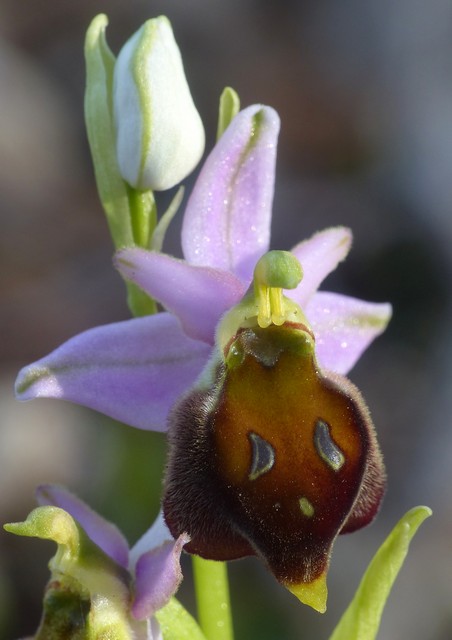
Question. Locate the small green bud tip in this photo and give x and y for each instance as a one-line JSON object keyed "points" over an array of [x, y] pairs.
{"points": [[229, 108], [275, 271]]}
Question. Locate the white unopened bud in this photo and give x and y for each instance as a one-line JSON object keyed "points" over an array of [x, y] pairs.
{"points": [[160, 136]]}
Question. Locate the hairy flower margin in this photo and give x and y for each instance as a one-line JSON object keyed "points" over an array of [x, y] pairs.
{"points": [[135, 371]]}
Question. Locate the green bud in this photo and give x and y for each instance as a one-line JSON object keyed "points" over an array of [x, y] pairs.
{"points": [[160, 136]]}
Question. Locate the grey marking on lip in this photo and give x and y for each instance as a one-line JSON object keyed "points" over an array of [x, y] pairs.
{"points": [[263, 456], [326, 447]]}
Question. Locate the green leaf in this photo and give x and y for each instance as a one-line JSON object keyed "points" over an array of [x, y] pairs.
{"points": [[229, 108], [177, 624], [362, 618], [112, 189]]}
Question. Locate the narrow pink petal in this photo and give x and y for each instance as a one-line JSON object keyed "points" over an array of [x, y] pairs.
{"points": [[344, 327], [105, 534], [155, 536], [319, 256], [227, 219], [157, 577], [198, 296], [132, 371]]}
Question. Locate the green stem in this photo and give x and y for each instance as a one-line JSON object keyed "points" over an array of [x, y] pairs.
{"points": [[143, 214], [143, 218], [139, 303], [212, 597]]}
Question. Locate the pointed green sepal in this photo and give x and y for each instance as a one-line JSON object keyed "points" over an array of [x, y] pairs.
{"points": [[112, 189], [229, 108], [362, 618]]}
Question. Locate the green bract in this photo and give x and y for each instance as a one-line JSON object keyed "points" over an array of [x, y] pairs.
{"points": [[177, 624], [112, 189], [229, 108], [362, 618]]}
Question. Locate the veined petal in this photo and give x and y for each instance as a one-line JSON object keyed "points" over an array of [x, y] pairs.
{"points": [[132, 371], [227, 219], [157, 577], [105, 534], [198, 296], [344, 327], [319, 256]]}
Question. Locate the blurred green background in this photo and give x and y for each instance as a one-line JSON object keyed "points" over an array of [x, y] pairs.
{"points": [[364, 92]]}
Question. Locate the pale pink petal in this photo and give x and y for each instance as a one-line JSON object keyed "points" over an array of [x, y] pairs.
{"points": [[227, 219], [103, 533], [155, 536], [132, 371], [157, 577], [198, 296], [318, 256], [344, 327]]}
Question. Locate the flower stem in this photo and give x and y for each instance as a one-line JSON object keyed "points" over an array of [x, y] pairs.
{"points": [[143, 215], [212, 596], [143, 219]]}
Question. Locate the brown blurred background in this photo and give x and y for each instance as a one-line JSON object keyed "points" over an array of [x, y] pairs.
{"points": [[364, 91]]}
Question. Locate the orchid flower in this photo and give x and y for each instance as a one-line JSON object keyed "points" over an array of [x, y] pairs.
{"points": [[137, 371], [111, 590]]}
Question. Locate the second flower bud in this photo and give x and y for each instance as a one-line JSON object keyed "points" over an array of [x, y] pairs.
{"points": [[160, 136]]}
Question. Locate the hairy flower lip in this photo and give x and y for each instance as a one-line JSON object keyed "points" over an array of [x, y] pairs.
{"points": [[272, 455]]}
